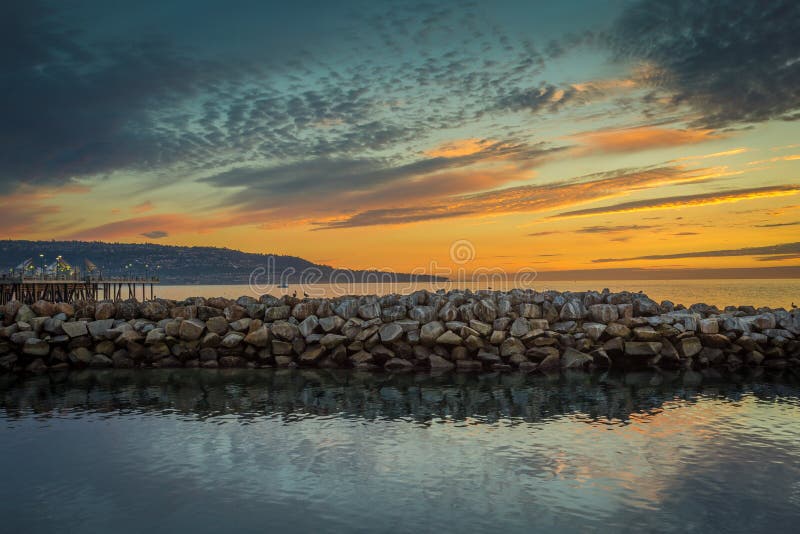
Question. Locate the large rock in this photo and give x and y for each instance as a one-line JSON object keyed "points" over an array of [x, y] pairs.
{"points": [[232, 340], [44, 308], [390, 332], [642, 348], [75, 328], [574, 359], [430, 332], [449, 338], [36, 347], [308, 325], [603, 313], [485, 310], [24, 314], [260, 337], [520, 327], [330, 341], [284, 330], [191, 329], [277, 313], [689, 346], [426, 314], [104, 309], [369, 311], [218, 325], [573, 310]]}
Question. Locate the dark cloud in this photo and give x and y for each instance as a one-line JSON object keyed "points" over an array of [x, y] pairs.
{"points": [[393, 216], [264, 187], [613, 229], [546, 97], [731, 61], [776, 225], [155, 234], [678, 201], [772, 250], [72, 110]]}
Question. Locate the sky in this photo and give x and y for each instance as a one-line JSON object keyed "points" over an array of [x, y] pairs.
{"points": [[553, 136]]}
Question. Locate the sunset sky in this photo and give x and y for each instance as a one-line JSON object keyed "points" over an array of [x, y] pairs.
{"points": [[551, 135]]}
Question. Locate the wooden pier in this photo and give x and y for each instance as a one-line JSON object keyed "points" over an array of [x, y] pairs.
{"points": [[72, 289]]}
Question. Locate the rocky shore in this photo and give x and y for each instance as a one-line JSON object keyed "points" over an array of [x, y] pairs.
{"points": [[519, 330]]}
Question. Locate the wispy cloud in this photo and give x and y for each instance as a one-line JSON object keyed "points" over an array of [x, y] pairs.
{"points": [[771, 250], [685, 201], [641, 138]]}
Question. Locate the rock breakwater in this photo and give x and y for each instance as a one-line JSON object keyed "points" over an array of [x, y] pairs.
{"points": [[518, 330]]}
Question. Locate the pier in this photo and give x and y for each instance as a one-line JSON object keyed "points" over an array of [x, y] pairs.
{"points": [[72, 288]]}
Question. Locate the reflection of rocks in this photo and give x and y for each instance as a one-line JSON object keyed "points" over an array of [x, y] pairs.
{"points": [[549, 332], [488, 397]]}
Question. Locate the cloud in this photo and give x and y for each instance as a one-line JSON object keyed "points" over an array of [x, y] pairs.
{"points": [[685, 201], [331, 186], [143, 207], [776, 225], [155, 234], [771, 250], [730, 62], [71, 109], [790, 157], [613, 229], [641, 138], [528, 198]]}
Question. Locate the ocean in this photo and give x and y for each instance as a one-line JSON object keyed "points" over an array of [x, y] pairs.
{"points": [[323, 451]]}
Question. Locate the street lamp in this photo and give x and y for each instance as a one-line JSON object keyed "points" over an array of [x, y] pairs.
{"points": [[42, 256]]}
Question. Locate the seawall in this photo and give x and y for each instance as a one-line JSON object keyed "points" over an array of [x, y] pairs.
{"points": [[519, 330]]}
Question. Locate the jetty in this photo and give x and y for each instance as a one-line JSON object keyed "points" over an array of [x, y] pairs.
{"points": [[74, 288]]}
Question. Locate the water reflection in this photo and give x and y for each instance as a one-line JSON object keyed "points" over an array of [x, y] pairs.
{"points": [[611, 398], [332, 451]]}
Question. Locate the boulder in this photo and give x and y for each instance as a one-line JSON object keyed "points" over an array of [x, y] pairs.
{"points": [[449, 338], [520, 327], [191, 329], [308, 325], [485, 310], [437, 362], [104, 309], [430, 332], [574, 359], [573, 310], [603, 313], [218, 325], [75, 328], [36, 347], [277, 313], [330, 341], [643, 348], [284, 330], [426, 314], [390, 332], [260, 337]]}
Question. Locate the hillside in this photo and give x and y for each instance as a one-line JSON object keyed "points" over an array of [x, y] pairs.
{"points": [[173, 264]]}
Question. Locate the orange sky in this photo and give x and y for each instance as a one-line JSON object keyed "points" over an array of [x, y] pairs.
{"points": [[586, 156]]}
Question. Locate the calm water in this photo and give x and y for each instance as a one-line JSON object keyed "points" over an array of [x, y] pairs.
{"points": [[776, 293], [314, 451]]}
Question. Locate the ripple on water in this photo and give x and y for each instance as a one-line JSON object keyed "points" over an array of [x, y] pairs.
{"points": [[321, 452]]}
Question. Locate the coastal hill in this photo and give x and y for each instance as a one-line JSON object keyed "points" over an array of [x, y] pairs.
{"points": [[172, 264]]}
